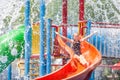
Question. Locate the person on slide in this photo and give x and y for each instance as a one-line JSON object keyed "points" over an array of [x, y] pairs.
{"points": [[77, 39]]}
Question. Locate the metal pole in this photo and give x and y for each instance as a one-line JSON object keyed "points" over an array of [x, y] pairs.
{"points": [[64, 17], [64, 20], [48, 65], [10, 72], [42, 59], [92, 76], [81, 9], [88, 27], [27, 37]]}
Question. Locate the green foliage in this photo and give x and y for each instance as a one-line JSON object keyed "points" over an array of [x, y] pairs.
{"points": [[101, 10], [73, 11], [35, 10], [53, 8], [115, 9], [108, 71], [103, 1], [6, 20], [54, 11], [19, 20]]}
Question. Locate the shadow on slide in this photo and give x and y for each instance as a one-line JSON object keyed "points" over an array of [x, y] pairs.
{"points": [[74, 70]]}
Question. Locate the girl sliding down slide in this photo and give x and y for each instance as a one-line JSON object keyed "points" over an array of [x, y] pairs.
{"points": [[77, 39]]}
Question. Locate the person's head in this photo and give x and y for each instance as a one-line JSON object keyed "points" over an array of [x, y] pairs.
{"points": [[75, 36]]}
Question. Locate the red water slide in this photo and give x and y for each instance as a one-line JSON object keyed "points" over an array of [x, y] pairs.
{"points": [[74, 70]]}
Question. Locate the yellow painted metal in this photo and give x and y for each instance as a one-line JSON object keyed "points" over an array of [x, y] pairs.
{"points": [[35, 39], [33, 67], [81, 25], [35, 51]]}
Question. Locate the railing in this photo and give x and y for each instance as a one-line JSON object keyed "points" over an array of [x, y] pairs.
{"points": [[107, 40]]}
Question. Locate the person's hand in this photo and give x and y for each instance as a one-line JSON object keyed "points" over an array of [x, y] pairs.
{"points": [[85, 38]]}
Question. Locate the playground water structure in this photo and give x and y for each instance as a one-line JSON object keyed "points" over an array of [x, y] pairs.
{"points": [[74, 70], [13, 51], [100, 41], [16, 48], [105, 11], [22, 33]]}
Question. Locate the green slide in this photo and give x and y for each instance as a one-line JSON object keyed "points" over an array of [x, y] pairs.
{"points": [[11, 46]]}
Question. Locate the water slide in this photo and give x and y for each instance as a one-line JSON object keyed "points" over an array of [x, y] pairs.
{"points": [[11, 46], [74, 70]]}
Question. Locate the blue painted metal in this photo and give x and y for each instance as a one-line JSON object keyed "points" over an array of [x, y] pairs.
{"points": [[42, 21], [88, 28], [27, 37], [48, 65], [92, 76], [10, 72], [89, 40]]}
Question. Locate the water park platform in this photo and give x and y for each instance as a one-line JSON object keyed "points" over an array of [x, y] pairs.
{"points": [[33, 51]]}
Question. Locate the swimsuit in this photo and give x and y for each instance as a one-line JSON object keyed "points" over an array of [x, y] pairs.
{"points": [[76, 47]]}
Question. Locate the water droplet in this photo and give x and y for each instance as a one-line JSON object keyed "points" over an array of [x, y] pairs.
{"points": [[14, 52]]}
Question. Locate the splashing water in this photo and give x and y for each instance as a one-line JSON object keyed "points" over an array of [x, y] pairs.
{"points": [[103, 10], [3, 59], [96, 10], [9, 13]]}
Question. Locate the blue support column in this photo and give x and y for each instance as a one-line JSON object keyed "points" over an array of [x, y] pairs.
{"points": [[48, 65], [89, 40], [10, 72], [42, 71], [27, 37], [88, 28], [92, 76]]}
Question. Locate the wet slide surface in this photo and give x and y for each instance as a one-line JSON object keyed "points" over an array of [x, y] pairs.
{"points": [[74, 70]]}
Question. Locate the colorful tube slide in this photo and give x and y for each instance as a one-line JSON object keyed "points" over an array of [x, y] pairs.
{"points": [[74, 70], [11, 46]]}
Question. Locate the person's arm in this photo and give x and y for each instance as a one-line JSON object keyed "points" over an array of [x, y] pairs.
{"points": [[69, 40], [85, 38]]}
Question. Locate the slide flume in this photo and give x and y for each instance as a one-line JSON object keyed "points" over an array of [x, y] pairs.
{"points": [[74, 70], [11, 46]]}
